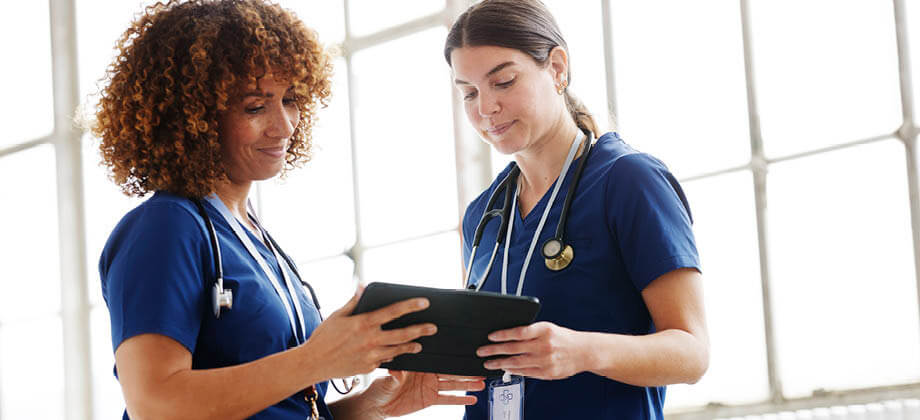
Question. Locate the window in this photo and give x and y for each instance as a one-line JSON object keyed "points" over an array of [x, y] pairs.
{"points": [[781, 118]]}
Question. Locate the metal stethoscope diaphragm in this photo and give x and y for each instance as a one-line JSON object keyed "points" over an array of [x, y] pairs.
{"points": [[557, 254]]}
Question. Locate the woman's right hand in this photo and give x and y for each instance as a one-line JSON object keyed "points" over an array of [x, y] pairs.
{"points": [[345, 344]]}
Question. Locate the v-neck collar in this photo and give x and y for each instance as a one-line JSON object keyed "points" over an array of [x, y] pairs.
{"points": [[541, 203]]}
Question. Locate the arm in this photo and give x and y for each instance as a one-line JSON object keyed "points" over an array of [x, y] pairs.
{"points": [[678, 352], [158, 381]]}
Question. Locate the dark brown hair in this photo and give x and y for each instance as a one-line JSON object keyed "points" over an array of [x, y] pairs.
{"points": [[523, 25], [178, 66]]}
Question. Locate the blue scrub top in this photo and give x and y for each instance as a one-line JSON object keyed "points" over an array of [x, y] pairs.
{"points": [[157, 271], [629, 224]]}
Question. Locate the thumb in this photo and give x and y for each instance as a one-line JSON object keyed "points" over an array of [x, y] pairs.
{"points": [[349, 306]]}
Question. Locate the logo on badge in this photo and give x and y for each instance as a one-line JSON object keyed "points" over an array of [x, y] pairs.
{"points": [[506, 397]]}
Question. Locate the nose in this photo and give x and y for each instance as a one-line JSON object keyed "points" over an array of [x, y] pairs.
{"points": [[282, 122], [488, 104]]}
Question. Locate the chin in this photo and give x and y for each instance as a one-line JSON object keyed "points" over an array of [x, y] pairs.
{"points": [[504, 146]]}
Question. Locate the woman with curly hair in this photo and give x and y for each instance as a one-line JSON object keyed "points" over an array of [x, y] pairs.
{"points": [[204, 98]]}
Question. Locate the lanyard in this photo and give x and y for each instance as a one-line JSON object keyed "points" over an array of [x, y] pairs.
{"points": [[536, 234], [244, 238]]}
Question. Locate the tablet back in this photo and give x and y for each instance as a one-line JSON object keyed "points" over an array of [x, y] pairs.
{"points": [[464, 318]]}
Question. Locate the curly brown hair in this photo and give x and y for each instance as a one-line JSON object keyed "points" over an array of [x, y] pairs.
{"points": [[178, 66]]}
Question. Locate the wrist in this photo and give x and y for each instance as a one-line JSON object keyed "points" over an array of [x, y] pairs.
{"points": [[312, 369], [587, 360], [366, 405]]}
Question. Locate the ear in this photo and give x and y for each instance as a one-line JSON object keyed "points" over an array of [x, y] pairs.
{"points": [[559, 65]]}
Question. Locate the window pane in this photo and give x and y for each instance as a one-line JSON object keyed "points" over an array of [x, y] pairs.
{"points": [[826, 72], [726, 231], [327, 18], [99, 25], [108, 402], [29, 98], [431, 262], [580, 23], [912, 19], [406, 169], [105, 206], [842, 270], [32, 366], [332, 279], [311, 213], [680, 85], [30, 278], [368, 16]]}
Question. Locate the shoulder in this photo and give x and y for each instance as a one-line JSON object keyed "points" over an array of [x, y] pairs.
{"points": [[159, 219], [620, 163]]}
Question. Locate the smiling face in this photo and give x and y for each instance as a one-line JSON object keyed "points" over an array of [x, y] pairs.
{"points": [[509, 98], [255, 130]]}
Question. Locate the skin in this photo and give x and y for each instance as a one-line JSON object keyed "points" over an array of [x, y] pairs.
{"points": [[512, 102], [156, 373]]}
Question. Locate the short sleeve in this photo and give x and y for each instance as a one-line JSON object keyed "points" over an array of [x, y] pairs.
{"points": [[468, 229], [650, 218], [152, 274]]}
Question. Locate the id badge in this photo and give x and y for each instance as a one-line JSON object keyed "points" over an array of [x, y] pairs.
{"points": [[506, 399]]}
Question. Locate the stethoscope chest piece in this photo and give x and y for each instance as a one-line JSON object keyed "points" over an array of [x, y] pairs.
{"points": [[222, 298], [557, 255]]}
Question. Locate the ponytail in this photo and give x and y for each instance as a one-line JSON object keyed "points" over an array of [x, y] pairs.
{"points": [[583, 118]]}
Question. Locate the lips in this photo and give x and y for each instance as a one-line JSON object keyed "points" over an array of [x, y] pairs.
{"points": [[275, 152], [499, 129]]}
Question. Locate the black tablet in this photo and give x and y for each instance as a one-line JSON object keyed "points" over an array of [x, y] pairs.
{"points": [[464, 318]]}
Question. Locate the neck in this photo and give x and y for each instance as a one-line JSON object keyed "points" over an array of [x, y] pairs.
{"points": [[235, 196], [540, 165]]}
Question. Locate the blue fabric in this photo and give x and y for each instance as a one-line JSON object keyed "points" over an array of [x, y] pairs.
{"points": [[629, 224], [157, 272]]}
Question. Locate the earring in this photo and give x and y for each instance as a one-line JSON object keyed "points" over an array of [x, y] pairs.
{"points": [[560, 88]]}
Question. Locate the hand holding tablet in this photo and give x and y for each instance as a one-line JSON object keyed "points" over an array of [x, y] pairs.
{"points": [[464, 319]]}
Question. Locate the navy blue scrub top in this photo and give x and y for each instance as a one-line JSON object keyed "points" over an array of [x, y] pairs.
{"points": [[157, 271], [629, 224]]}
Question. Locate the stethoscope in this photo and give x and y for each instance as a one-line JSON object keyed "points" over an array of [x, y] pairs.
{"points": [[222, 299], [557, 255]]}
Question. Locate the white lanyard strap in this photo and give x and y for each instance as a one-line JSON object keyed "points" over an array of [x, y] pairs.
{"points": [[244, 238], [282, 262], [536, 235]]}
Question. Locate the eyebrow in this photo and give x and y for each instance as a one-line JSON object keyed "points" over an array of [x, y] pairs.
{"points": [[261, 94], [258, 94], [494, 70]]}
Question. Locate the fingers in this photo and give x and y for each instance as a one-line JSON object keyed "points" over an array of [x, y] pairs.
{"points": [[455, 400], [349, 306], [461, 385], [528, 332], [516, 363], [446, 377], [514, 347], [388, 353], [407, 334], [396, 310]]}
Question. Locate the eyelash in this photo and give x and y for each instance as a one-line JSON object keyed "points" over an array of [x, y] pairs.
{"points": [[285, 102], [503, 85]]}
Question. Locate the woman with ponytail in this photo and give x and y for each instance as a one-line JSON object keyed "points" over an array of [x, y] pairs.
{"points": [[622, 308]]}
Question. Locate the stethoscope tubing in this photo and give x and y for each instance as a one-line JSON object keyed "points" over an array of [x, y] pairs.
{"points": [[504, 214], [218, 261]]}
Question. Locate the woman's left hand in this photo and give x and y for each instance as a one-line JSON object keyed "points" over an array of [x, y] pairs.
{"points": [[405, 392], [542, 350]]}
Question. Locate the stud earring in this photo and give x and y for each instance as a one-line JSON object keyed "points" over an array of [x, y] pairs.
{"points": [[560, 88]]}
